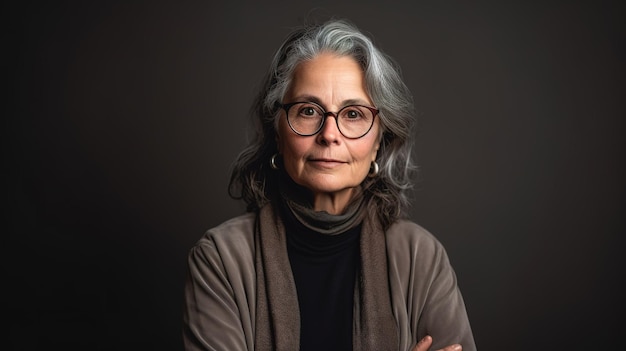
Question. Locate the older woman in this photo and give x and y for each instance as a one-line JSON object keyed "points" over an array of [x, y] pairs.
{"points": [[324, 259]]}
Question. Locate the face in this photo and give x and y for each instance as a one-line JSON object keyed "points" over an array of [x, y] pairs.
{"points": [[327, 163]]}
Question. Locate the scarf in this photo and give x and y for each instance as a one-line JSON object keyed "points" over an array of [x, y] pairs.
{"points": [[277, 311]]}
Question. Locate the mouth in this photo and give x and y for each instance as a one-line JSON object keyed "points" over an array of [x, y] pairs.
{"points": [[326, 162]]}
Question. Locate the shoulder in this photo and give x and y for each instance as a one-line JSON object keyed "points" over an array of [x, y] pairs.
{"points": [[233, 236], [405, 237], [407, 232], [235, 228]]}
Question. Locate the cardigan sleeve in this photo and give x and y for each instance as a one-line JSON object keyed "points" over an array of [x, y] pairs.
{"points": [[444, 316], [218, 309], [425, 295]]}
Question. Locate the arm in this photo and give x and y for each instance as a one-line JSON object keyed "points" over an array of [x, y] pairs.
{"points": [[210, 314], [425, 295], [444, 316]]}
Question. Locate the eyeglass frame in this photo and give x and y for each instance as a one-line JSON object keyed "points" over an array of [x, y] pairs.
{"points": [[325, 115]]}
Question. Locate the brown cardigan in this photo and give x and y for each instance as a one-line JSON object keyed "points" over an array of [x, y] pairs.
{"points": [[220, 307]]}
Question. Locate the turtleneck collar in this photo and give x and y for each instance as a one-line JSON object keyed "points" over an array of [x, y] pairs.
{"points": [[296, 199]]}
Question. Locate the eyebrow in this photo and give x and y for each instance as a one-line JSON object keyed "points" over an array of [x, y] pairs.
{"points": [[315, 99]]}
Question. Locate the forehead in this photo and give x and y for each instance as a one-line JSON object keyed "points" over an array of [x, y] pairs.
{"points": [[329, 78]]}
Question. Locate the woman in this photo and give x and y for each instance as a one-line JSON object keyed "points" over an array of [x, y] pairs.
{"points": [[324, 260]]}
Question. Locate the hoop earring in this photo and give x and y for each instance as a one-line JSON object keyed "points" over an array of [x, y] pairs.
{"points": [[273, 162], [373, 170]]}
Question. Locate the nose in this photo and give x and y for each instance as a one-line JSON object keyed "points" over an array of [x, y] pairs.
{"points": [[330, 132]]}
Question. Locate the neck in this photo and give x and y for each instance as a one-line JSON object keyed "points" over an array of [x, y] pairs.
{"points": [[333, 203]]}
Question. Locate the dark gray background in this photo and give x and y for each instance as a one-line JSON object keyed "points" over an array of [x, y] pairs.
{"points": [[122, 121]]}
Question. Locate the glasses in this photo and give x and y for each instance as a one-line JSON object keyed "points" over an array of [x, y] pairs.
{"points": [[308, 118]]}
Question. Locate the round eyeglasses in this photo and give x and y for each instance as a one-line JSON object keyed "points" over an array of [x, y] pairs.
{"points": [[308, 118]]}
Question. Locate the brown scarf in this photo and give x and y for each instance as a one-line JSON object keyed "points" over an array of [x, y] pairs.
{"points": [[277, 312]]}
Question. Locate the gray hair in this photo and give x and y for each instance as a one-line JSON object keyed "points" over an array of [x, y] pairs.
{"points": [[252, 178]]}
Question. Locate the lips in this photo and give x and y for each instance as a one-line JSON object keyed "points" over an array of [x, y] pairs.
{"points": [[326, 162], [323, 159]]}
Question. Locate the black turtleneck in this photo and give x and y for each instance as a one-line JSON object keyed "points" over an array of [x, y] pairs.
{"points": [[325, 270]]}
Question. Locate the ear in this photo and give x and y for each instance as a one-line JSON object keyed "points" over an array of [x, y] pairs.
{"points": [[379, 142], [375, 151]]}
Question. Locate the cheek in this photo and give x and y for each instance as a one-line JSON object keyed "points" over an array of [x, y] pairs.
{"points": [[370, 150], [290, 159], [364, 157], [292, 152], [375, 141]]}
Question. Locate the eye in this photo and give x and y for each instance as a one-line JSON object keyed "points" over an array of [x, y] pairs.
{"points": [[307, 111], [352, 113]]}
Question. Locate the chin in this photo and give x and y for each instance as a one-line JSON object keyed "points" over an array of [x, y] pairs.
{"points": [[325, 182], [328, 187]]}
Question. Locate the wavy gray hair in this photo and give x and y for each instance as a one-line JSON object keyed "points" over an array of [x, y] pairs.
{"points": [[252, 178]]}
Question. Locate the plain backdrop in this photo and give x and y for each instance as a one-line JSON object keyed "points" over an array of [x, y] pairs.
{"points": [[123, 118]]}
